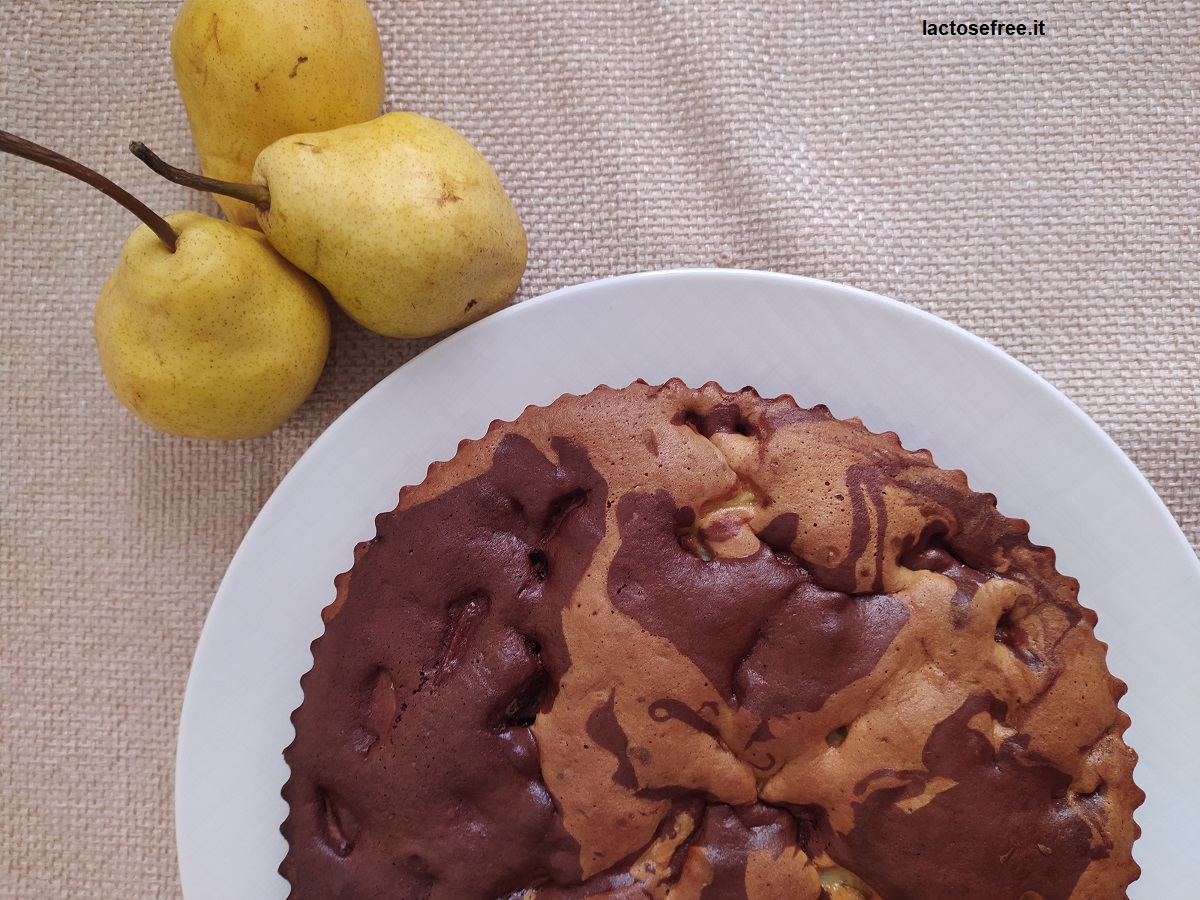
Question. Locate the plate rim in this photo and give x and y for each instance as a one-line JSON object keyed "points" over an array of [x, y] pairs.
{"points": [[564, 295]]}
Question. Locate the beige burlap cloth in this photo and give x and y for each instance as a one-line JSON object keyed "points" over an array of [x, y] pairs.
{"points": [[1040, 192]]}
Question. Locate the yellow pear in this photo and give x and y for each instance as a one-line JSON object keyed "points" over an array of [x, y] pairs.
{"points": [[253, 71], [221, 338], [403, 221], [203, 329], [400, 218]]}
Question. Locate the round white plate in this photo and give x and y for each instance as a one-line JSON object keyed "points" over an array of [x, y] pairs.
{"points": [[895, 367]]}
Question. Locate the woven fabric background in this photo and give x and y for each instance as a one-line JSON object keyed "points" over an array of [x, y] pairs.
{"points": [[1040, 192]]}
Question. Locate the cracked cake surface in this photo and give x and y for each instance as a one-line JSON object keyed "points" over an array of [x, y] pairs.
{"points": [[665, 642]]}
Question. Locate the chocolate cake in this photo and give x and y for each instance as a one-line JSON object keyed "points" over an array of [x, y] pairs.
{"points": [[664, 642]]}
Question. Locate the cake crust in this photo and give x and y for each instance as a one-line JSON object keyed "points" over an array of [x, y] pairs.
{"points": [[661, 642]]}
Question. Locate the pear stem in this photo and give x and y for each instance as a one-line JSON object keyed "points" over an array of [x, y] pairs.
{"points": [[254, 194], [19, 146]]}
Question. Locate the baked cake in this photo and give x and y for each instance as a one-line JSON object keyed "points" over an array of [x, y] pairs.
{"points": [[663, 642]]}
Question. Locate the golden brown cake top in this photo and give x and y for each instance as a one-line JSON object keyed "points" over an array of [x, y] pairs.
{"points": [[671, 642]]}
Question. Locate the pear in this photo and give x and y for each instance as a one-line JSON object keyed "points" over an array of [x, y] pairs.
{"points": [[401, 219], [203, 329], [220, 339], [253, 71]]}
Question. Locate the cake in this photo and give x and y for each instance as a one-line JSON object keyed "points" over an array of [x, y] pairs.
{"points": [[673, 642]]}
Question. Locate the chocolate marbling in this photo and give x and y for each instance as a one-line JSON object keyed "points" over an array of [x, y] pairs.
{"points": [[670, 642]]}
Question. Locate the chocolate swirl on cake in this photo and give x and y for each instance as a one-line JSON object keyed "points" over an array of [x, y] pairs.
{"points": [[670, 642]]}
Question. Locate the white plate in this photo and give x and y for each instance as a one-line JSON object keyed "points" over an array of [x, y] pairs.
{"points": [[895, 367]]}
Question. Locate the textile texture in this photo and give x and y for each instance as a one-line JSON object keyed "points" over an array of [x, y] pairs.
{"points": [[1041, 192]]}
